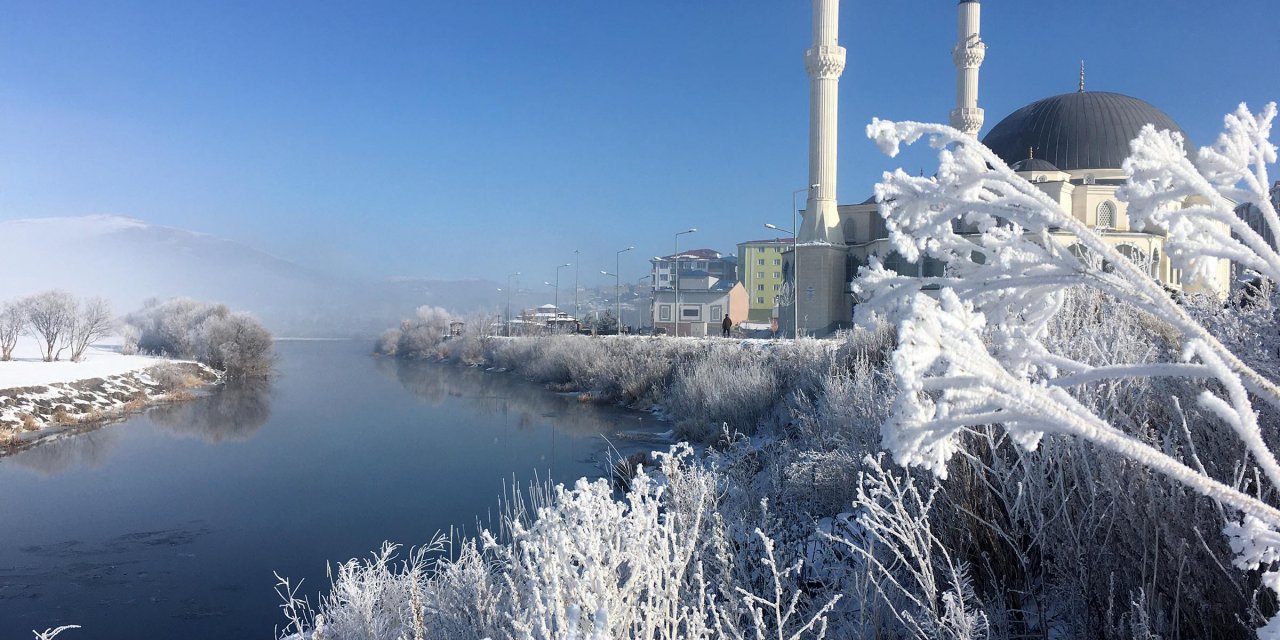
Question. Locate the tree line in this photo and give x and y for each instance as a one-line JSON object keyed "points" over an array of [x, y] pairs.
{"points": [[59, 322]]}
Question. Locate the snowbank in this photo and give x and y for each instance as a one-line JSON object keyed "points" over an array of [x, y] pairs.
{"points": [[36, 394], [101, 360]]}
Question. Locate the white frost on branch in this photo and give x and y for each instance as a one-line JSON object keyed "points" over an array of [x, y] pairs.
{"points": [[974, 352]]}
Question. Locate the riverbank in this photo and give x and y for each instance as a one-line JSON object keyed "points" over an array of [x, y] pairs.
{"points": [[34, 413], [41, 399]]}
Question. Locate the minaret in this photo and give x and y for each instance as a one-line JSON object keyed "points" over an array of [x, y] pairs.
{"points": [[968, 55], [824, 62]]}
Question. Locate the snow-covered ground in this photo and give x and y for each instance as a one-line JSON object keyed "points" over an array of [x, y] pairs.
{"points": [[101, 360]]}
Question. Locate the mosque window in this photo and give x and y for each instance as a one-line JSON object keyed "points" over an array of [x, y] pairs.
{"points": [[1107, 215], [1138, 257]]}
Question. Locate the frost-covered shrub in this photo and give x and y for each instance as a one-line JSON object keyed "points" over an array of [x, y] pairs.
{"points": [[1162, 401], [728, 385], [129, 335], [238, 345], [657, 565], [417, 337], [235, 343], [172, 327]]}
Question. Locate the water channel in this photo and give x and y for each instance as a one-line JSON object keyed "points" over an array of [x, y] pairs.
{"points": [[170, 524]]}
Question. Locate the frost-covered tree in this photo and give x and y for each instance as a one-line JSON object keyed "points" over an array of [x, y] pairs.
{"points": [[13, 321], [91, 320], [238, 345], [977, 352], [50, 315], [234, 343]]}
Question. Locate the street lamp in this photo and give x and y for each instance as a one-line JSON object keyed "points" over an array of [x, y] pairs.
{"points": [[676, 318], [558, 268], [795, 276], [652, 287], [577, 311], [509, 277], [795, 251], [617, 283]]}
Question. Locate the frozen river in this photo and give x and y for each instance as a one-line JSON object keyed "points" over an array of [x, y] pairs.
{"points": [[171, 523]]}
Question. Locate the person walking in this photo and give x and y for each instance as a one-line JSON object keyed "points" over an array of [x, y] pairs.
{"points": [[726, 326]]}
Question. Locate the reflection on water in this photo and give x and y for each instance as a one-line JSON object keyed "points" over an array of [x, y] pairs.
{"points": [[89, 449], [142, 525], [234, 412], [488, 393]]}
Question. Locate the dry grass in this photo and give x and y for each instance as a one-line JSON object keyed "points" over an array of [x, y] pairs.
{"points": [[181, 395], [62, 416], [29, 422]]}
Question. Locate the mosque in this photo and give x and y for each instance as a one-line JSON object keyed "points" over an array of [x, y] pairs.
{"points": [[1071, 146]]}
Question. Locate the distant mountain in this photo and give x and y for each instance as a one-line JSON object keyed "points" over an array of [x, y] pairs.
{"points": [[128, 261]]}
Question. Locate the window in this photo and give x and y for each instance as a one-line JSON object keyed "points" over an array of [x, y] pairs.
{"points": [[777, 261], [664, 312], [760, 287], [777, 274], [1090, 179], [760, 300], [688, 312], [717, 313], [702, 265], [664, 277], [777, 287], [1107, 215], [759, 274], [777, 249], [760, 262]]}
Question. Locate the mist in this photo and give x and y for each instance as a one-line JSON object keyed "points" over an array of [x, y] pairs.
{"points": [[128, 261]]}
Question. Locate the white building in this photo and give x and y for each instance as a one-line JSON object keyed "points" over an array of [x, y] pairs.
{"points": [[703, 301], [1071, 146]]}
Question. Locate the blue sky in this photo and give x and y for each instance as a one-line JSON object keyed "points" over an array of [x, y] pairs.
{"points": [[476, 138]]}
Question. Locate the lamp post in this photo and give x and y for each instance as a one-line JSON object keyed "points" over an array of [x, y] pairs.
{"points": [[509, 277], [652, 286], [676, 318], [617, 283], [556, 316], [795, 250], [577, 311], [795, 282]]}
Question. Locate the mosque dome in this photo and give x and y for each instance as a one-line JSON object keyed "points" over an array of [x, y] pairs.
{"points": [[1081, 130], [1033, 164]]}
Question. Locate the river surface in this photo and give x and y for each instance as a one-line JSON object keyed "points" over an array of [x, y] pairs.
{"points": [[170, 524]]}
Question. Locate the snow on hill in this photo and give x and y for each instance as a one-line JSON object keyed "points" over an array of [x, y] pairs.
{"points": [[128, 261]]}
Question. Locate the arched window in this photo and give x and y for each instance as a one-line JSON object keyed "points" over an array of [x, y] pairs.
{"points": [[1084, 255], [1107, 215], [1138, 257]]}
